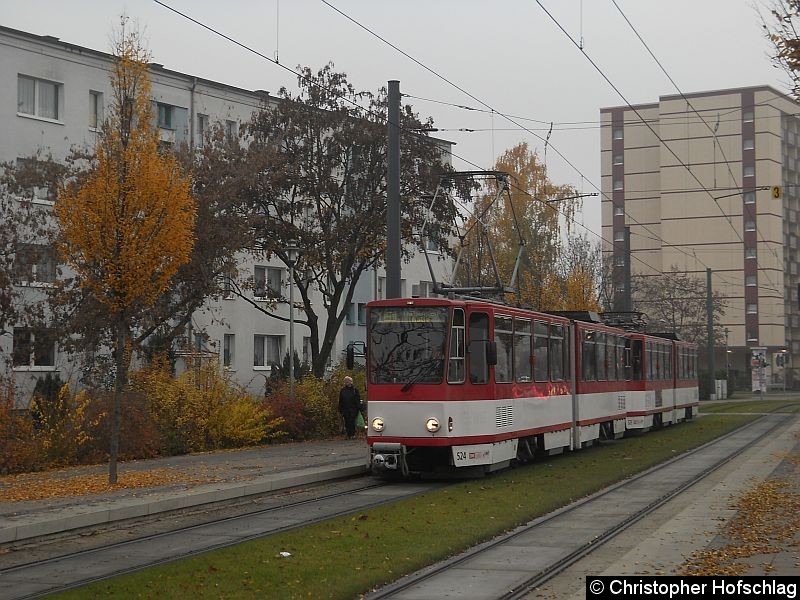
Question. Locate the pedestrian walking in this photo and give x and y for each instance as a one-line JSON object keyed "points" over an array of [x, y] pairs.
{"points": [[349, 406]]}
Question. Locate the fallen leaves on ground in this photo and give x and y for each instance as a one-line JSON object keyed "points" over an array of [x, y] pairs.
{"points": [[767, 521], [62, 484]]}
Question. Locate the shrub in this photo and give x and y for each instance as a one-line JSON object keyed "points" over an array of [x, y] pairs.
{"points": [[61, 426], [203, 410], [323, 419], [19, 448], [140, 437], [292, 412]]}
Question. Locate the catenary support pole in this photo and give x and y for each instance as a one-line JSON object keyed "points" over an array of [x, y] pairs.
{"points": [[393, 194], [710, 316], [628, 302]]}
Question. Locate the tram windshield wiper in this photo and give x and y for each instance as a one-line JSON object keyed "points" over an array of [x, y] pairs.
{"points": [[426, 370]]}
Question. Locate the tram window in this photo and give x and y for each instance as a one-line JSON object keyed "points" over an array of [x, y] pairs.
{"points": [[540, 351], [504, 337], [611, 356], [588, 365], [600, 355], [455, 368], [637, 360], [522, 350], [669, 362], [557, 351], [686, 363], [648, 361], [478, 336], [622, 374]]}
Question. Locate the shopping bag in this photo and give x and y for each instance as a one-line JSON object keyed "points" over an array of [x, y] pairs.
{"points": [[360, 421]]}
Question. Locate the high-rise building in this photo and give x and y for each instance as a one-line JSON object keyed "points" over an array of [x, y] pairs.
{"points": [[712, 180]]}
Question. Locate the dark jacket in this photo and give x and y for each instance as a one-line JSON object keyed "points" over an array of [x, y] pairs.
{"points": [[349, 400]]}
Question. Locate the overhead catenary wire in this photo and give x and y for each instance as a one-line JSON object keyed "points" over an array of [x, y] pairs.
{"points": [[486, 105], [639, 115], [364, 109]]}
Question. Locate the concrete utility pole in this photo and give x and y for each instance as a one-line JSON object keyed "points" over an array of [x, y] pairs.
{"points": [[393, 193], [710, 315]]}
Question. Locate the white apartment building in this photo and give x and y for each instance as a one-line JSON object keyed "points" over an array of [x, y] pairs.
{"points": [[52, 99]]}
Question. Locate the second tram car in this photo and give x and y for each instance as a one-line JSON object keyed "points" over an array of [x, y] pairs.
{"points": [[468, 385]]}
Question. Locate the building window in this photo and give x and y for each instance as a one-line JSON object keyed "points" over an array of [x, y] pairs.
{"points": [[749, 171], [362, 313], [164, 116], [619, 235], [95, 109], [619, 261], [749, 225], [752, 309], [749, 144], [380, 293], [749, 197], [266, 350], [34, 263], [307, 350], [618, 159], [230, 131], [618, 184], [349, 314], [228, 349], [749, 252], [267, 281], [37, 97], [202, 130], [747, 116], [32, 350], [750, 280], [619, 211], [617, 135], [228, 285], [752, 337]]}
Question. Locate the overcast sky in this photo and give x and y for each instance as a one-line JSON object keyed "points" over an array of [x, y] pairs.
{"points": [[508, 55]]}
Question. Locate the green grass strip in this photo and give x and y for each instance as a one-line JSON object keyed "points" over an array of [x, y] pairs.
{"points": [[752, 406], [347, 556]]}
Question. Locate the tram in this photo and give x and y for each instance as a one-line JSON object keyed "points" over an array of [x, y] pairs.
{"points": [[470, 386]]}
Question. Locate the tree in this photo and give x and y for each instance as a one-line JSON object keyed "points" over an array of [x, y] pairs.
{"points": [[533, 212], [675, 302], [781, 29], [314, 173], [126, 227]]}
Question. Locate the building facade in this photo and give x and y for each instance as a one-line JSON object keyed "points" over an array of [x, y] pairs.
{"points": [[52, 100], [711, 180]]}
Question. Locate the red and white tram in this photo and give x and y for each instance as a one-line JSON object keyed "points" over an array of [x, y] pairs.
{"points": [[469, 385]]}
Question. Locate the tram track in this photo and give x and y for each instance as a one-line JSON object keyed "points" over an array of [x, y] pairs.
{"points": [[511, 566], [74, 569]]}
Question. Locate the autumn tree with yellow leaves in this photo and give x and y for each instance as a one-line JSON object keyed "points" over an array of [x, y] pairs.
{"points": [[550, 276], [127, 225]]}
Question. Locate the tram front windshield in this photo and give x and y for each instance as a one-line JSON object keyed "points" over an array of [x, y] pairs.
{"points": [[407, 344]]}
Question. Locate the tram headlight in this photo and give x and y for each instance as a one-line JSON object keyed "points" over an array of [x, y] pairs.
{"points": [[377, 424], [432, 425]]}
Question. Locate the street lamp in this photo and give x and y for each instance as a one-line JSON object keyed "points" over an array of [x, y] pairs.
{"points": [[292, 252]]}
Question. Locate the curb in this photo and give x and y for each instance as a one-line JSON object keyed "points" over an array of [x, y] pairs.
{"points": [[87, 515]]}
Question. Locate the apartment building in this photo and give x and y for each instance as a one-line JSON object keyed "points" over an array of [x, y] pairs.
{"points": [[53, 99], [712, 180]]}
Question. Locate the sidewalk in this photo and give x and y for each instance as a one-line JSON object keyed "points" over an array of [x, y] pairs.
{"points": [[171, 483]]}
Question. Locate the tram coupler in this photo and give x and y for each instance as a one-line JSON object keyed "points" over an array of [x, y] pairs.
{"points": [[386, 457]]}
